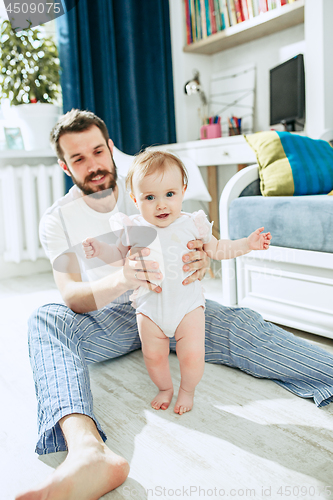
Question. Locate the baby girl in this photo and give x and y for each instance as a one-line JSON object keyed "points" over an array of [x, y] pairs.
{"points": [[157, 182]]}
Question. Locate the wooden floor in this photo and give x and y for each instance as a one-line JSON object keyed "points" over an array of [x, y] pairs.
{"points": [[244, 438]]}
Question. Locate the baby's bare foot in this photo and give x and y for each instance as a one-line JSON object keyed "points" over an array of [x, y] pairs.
{"points": [[162, 400], [184, 401]]}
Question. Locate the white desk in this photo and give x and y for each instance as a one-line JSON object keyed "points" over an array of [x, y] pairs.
{"points": [[233, 150], [222, 151]]}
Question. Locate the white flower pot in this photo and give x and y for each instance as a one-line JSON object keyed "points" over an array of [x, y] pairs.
{"points": [[36, 122]]}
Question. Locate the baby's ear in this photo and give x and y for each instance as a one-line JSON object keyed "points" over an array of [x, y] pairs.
{"points": [[133, 198]]}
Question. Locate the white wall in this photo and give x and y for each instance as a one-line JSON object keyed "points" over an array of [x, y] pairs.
{"points": [[186, 107], [319, 77], [265, 53]]}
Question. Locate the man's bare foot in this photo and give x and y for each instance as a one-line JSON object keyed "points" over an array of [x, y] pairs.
{"points": [[184, 401], [86, 474], [162, 400]]}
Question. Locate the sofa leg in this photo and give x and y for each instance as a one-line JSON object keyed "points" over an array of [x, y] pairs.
{"points": [[229, 285]]}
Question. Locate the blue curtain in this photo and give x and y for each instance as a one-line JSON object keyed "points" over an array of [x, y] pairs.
{"points": [[116, 61]]}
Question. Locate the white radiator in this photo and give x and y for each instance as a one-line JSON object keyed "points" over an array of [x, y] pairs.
{"points": [[26, 192]]}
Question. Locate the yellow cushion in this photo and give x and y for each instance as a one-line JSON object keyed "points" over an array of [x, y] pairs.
{"points": [[276, 178]]}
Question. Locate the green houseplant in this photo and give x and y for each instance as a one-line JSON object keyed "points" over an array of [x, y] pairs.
{"points": [[29, 66], [30, 80]]}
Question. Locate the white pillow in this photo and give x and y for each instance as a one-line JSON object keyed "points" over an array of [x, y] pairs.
{"points": [[196, 189]]}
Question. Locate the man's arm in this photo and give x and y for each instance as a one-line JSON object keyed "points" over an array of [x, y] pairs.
{"points": [[83, 297]]}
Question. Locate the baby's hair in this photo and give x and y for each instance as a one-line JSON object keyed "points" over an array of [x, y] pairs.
{"points": [[148, 162]]}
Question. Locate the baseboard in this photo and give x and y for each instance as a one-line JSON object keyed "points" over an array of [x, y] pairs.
{"points": [[24, 268]]}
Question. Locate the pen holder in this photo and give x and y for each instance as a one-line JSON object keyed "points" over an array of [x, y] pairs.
{"points": [[210, 131], [233, 131]]}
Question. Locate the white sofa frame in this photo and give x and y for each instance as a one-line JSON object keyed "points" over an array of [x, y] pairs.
{"points": [[288, 286]]}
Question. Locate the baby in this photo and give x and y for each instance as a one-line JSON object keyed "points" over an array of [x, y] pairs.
{"points": [[157, 182]]}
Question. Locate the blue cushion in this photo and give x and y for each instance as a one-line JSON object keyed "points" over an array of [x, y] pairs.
{"points": [[311, 163], [292, 165], [304, 222]]}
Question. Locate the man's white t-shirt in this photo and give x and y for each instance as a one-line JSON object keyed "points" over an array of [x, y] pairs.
{"points": [[69, 221]]}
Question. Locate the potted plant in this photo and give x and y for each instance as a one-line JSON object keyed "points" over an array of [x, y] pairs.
{"points": [[30, 79]]}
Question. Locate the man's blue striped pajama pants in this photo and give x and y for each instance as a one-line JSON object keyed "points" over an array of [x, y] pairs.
{"points": [[63, 343]]}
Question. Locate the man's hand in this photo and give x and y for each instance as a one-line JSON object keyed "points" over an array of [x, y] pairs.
{"points": [[259, 240], [139, 272], [196, 261]]}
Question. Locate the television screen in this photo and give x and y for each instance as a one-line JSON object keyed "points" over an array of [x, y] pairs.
{"points": [[287, 93]]}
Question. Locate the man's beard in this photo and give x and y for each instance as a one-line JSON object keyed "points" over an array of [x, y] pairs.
{"points": [[101, 191]]}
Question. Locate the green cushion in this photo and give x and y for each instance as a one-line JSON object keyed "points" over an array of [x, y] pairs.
{"points": [[291, 164]]}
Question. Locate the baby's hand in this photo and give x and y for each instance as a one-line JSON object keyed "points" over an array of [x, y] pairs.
{"points": [[259, 240], [91, 247]]}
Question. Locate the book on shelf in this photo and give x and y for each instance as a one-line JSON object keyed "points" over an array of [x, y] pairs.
{"points": [[232, 12], [245, 10], [204, 18], [263, 7], [250, 8], [255, 5], [212, 16], [224, 14], [206, 22], [198, 28], [189, 37], [217, 15], [192, 16], [239, 12]]}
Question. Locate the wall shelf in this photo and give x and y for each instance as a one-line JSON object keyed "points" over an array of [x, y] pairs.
{"points": [[265, 24]]}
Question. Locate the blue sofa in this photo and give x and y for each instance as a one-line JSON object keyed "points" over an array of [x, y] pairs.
{"points": [[292, 282]]}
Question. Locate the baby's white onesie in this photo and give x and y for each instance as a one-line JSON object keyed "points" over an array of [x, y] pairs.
{"points": [[167, 246]]}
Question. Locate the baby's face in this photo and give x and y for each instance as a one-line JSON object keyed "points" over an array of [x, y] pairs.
{"points": [[159, 196]]}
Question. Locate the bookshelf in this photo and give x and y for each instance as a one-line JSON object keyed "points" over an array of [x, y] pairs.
{"points": [[265, 24]]}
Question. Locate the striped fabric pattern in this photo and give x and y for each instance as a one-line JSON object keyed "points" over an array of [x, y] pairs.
{"points": [[292, 165], [311, 163], [63, 343]]}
